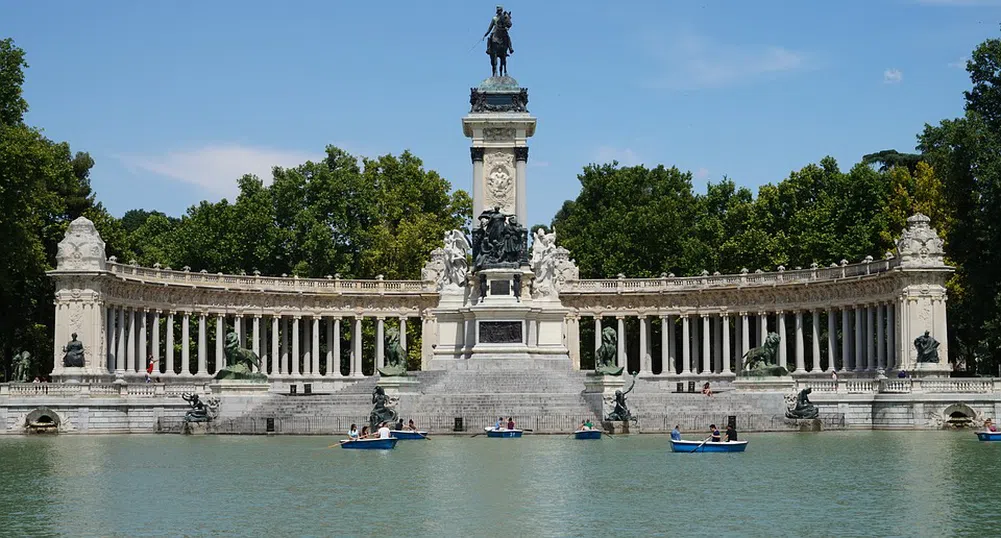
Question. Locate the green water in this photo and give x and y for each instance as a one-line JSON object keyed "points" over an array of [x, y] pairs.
{"points": [[828, 484]]}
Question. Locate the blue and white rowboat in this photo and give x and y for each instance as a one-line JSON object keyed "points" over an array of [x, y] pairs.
{"points": [[587, 434], [408, 434], [710, 446], [989, 436], [503, 432], [371, 444]]}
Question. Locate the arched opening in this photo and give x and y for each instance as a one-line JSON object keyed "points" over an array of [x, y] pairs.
{"points": [[42, 420], [959, 416]]}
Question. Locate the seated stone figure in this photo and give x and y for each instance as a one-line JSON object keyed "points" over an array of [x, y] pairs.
{"points": [[73, 353], [604, 358], [803, 407], [396, 356]]}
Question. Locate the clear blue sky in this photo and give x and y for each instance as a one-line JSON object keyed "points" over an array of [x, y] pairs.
{"points": [[175, 100]]}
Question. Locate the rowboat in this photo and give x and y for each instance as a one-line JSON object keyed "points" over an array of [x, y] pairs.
{"points": [[502, 432], [710, 446], [371, 444], [587, 434], [989, 436], [408, 434]]}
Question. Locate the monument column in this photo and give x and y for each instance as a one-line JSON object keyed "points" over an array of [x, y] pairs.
{"points": [[304, 349], [846, 349], [686, 348], [356, 345], [256, 336], [725, 321], [275, 353], [762, 327], [476, 156], [520, 162], [800, 361], [120, 340], [202, 342], [143, 345], [891, 332], [783, 348], [870, 338], [295, 346], [170, 344], [185, 343], [706, 366], [832, 342], [620, 352], [130, 345], [881, 335], [220, 342], [745, 344], [156, 341], [330, 348], [666, 357], [815, 336], [717, 323], [314, 351], [403, 333], [859, 349], [285, 359], [380, 347], [335, 344], [645, 366]]}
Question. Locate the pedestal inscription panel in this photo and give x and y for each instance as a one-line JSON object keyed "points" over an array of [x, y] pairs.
{"points": [[500, 332]]}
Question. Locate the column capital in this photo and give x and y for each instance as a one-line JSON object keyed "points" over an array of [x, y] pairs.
{"points": [[703, 315], [336, 318], [620, 316], [380, 318], [521, 153], [642, 316], [296, 317], [258, 315], [476, 154]]}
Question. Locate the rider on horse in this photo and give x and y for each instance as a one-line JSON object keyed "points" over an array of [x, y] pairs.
{"points": [[500, 38]]}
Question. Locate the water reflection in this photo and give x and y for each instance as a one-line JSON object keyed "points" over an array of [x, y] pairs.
{"points": [[843, 483]]}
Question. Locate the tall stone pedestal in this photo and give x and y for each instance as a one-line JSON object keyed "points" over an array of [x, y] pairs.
{"points": [[924, 370], [395, 386]]}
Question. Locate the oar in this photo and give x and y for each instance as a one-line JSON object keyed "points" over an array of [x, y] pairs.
{"points": [[422, 435], [608, 434], [700, 446]]}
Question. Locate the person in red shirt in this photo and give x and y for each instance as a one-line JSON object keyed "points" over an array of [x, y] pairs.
{"points": [[149, 368]]}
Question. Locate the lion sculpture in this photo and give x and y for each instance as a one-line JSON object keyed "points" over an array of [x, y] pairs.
{"points": [[761, 361], [240, 362]]}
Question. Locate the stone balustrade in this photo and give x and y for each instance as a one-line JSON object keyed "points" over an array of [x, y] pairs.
{"points": [[902, 386], [100, 390]]}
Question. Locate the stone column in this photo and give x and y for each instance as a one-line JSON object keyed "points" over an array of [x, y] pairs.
{"points": [[891, 333], [870, 338], [143, 345], [725, 322], [356, 363], [314, 351], [783, 343], [521, 204], [762, 327], [238, 329], [130, 342], [706, 334], [686, 348], [403, 337], [170, 344], [286, 367], [832, 341], [597, 335], [620, 353], [185, 343], [220, 342], [745, 341], [666, 355], [717, 324], [476, 156], [275, 338], [256, 337], [120, 341], [645, 366], [800, 360], [380, 347], [203, 369], [880, 336], [846, 348], [295, 346], [110, 351], [330, 350], [815, 334], [264, 345], [304, 351], [336, 345], [940, 328], [859, 350], [156, 341]]}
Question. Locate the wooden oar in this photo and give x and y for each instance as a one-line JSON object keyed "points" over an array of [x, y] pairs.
{"points": [[700, 446], [422, 435]]}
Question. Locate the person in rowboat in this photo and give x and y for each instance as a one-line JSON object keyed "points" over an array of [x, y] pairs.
{"points": [[510, 423], [411, 426], [731, 433], [499, 425], [714, 436], [676, 433], [588, 424], [399, 424], [384, 432], [364, 433], [353, 433], [990, 426]]}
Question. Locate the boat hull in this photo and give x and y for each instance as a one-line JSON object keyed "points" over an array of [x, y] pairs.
{"points": [[699, 446], [503, 432], [371, 444], [989, 436], [587, 434], [407, 434]]}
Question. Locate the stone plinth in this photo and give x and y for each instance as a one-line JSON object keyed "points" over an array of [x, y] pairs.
{"points": [[605, 385], [239, 387], [620, 427], [931, 369], [395, 386]]}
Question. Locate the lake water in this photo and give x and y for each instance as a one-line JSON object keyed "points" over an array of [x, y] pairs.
{"points": [[826, 484]]}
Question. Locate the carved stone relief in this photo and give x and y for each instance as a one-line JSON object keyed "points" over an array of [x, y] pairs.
{"points": [[498, 170]]}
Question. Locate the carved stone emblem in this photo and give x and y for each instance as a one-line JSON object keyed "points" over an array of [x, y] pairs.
{"points": [[499, 171], [920, 245]]}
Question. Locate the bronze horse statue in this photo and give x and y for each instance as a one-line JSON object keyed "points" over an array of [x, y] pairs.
{"points": [[499, 44]]}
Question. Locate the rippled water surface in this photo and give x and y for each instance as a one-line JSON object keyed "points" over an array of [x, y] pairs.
{"points": [[827, 484]]}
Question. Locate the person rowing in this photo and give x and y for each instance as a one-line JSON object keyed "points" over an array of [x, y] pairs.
{"points": [[411, 426], [714, 435]]}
